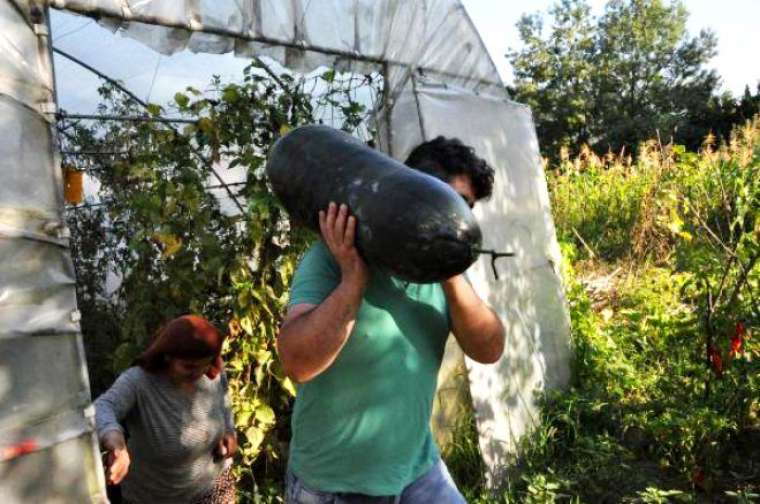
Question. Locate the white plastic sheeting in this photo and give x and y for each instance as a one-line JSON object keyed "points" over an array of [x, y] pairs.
{"points": [[48, 451], [19, 59], [53, 475], [528, 293], [26, 143], [436, 36]]}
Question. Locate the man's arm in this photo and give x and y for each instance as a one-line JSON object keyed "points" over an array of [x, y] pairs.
{"points": [[476, 327], [312, 336]]}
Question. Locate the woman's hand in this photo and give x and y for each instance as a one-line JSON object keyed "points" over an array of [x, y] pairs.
{"points": [[227, 445], [117, 459]]}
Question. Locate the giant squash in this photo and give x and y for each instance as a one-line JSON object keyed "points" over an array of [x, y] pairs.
{"points": [[410, 224]]}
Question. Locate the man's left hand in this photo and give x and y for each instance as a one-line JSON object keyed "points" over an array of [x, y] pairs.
{"points": [[476, 327]]}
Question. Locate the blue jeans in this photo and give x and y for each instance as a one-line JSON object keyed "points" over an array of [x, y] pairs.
{"points": [[434, 487]]}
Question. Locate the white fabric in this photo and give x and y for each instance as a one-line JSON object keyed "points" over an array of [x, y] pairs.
{"points": [[36, 288], [26, 156], [528, 295], [29, 391], [20, 76], [52, 476], [435, 35]]}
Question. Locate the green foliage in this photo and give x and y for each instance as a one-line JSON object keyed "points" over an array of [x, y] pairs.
{"points": [[614, 81], [554, 75], [664, 403], [171, 239], [462, 455], [599, 202]]}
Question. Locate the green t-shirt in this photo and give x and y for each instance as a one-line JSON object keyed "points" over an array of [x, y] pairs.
{"points": [[363, 425]]}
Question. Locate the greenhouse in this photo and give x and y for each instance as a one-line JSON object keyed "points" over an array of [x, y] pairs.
{"points": [[393, 73]]}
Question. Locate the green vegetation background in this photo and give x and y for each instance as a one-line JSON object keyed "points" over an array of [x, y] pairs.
{"points": [[663, 284]]}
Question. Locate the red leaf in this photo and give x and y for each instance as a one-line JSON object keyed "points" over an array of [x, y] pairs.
{"points": [[698, 477], [736, 346], [740, 329], [716, 361]]}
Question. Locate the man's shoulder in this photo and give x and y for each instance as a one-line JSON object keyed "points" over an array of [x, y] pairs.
{"points": [[316, 276], [318, 255], [318, 248]]}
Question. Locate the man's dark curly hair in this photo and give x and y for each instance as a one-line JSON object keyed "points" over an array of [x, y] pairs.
{"points": [[446, 158]]}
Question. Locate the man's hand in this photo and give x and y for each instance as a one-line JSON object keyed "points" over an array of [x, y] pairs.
{"points": [[338, 232], [117, 459], [476, 327], [227, 445]]}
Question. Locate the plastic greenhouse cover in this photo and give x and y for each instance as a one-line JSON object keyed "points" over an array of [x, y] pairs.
{"points": [[20, 78], [528, 293], [36, 288], [25, 155], [36, 275], [434, 35], [45, 418], [43, 389], [29, 479]]}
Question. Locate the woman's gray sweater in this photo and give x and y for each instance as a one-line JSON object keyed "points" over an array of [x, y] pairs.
{"points": [[172, 434]]}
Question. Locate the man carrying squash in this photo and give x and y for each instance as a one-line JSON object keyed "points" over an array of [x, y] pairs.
{"points": [[365, 349]]}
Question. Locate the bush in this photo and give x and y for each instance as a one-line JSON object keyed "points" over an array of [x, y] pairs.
{"points": [[665, 395]]}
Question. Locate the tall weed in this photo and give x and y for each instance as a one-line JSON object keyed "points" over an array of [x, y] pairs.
{"points": [[665, 397]]}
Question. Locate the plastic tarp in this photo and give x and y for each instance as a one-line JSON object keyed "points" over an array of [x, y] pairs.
{"points": [[20, 78], [48, 451], [436, 36], [528, 293], [52, 476]]}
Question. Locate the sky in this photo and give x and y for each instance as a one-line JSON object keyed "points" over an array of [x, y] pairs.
{"points": [[156, 78], [736, 23]]}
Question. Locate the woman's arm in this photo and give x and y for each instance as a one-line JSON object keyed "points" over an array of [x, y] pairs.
{"points": [[117, 460], [110, 409], [228, 444]]}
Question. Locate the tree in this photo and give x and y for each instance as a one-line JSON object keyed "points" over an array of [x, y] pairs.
{"points": [[616, 80], [553, 75], [749, 105], [650, 73]]}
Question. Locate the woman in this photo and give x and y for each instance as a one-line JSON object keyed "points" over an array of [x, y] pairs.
{"points": [[173, 405]]}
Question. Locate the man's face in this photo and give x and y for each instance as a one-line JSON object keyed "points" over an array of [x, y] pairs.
{"points": [[463, 185]]}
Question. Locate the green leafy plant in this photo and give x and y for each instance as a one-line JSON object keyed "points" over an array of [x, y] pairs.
{"points": [[164, 235], [662, 281]]}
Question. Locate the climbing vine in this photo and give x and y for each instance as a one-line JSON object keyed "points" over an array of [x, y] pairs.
{"points": [[159, 233]]}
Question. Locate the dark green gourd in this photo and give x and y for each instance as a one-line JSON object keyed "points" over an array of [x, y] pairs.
{"points": [[411, 224]]}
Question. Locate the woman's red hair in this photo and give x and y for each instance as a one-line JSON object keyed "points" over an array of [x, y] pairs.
{"points": [[185, 337]]}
